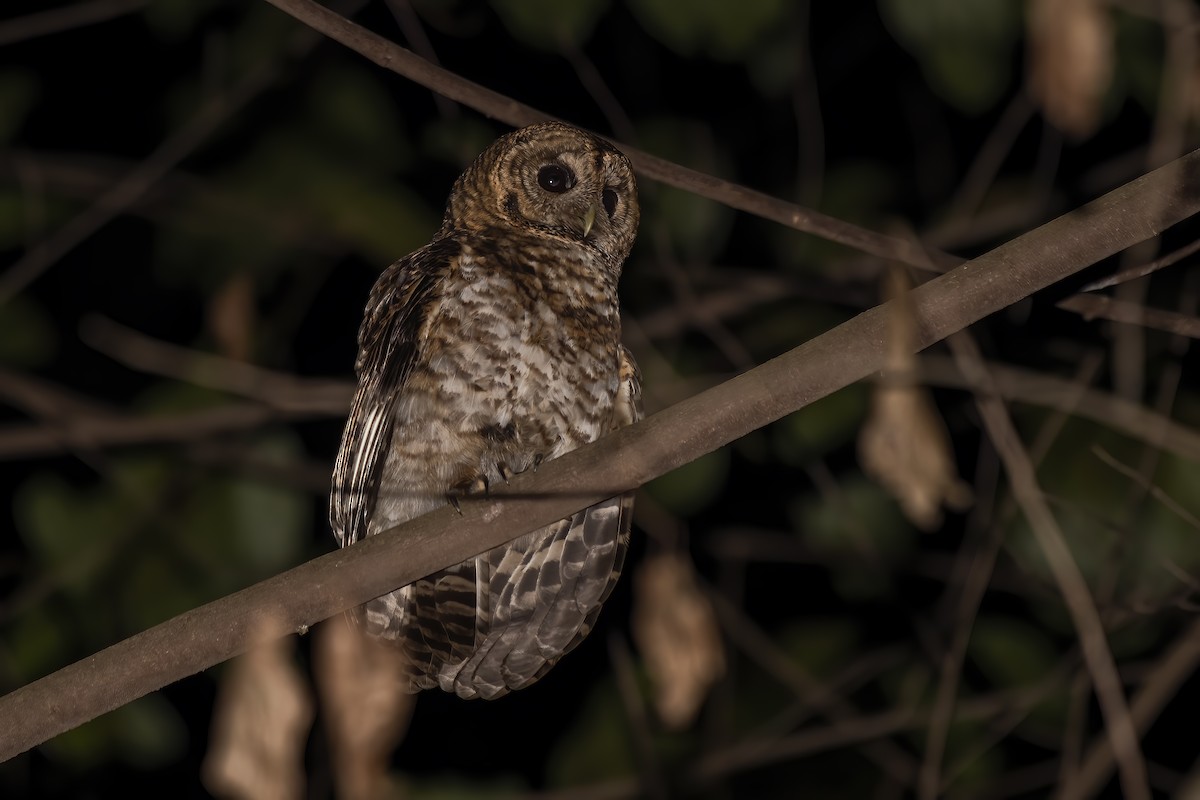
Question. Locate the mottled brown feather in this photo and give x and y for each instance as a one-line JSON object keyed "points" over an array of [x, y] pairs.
{"points": [[493, 348]]}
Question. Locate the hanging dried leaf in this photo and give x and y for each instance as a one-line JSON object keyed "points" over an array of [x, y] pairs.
{"points": [[1070, 61], [260, 725], [231, 316], [904, 444], [365, 705], [676, 631]]}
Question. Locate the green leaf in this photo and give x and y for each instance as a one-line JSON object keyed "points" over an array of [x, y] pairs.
{"points": [[820, 646], [964, 47], [174, 20], [721, 29], [694, 486], [773, 66], [152, 588], [35, 644], [550, 24], [272, 521], [353, 117], [698, 227], [147, 733], [27, 335], [1010, 652], [821, 427], [597, 748], [1110, 536], [1138, 64], [457, 140], [18, 91], [61, 524], [861, 520], [458, 787]]}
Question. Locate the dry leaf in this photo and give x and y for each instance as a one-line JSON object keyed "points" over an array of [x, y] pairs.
{"points": [[365, 705], [1070, 61], [676, 631], [904, 444], [260, 725], [231, 316]]}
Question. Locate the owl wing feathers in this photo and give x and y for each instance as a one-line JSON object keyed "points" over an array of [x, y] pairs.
{"points": [[545, 590], [387, 344]]}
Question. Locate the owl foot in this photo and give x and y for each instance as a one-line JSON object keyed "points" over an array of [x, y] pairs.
{"points": [[466, 488]]}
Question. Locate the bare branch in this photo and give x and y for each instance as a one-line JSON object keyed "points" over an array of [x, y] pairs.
{"points": [[57, 20], [404, 62], [1027, 386], [1160, 685], [99, 431], [276, 389], [1071, 583], [1090, 306], [143, 177], [1142, 270]]}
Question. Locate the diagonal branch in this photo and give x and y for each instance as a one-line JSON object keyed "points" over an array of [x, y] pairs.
{"points": [[1072, 586], [300, 597], [404, 62]]}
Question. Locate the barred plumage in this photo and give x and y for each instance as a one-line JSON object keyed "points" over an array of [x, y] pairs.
{"points": [[492, 348]]}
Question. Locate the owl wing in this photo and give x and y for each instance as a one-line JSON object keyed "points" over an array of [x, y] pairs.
{"points": [[387, 348], [538, 597]]}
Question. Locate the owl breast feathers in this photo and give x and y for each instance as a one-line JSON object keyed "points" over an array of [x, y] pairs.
{"points": [[492, 348]]}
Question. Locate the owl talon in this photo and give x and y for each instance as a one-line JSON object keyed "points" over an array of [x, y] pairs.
{"points": [[467, 487], [505, 472], [538, 458]]}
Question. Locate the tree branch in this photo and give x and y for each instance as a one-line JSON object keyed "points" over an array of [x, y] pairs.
{"points": [[303, 596], [392, 56]]}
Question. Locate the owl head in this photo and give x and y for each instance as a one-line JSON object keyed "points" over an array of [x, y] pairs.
{"points": [[554, 181]]}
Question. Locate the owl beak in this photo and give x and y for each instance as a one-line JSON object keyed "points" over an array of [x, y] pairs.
{"points": [[589, 219]]}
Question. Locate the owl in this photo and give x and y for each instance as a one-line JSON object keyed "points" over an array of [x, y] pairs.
{"points": [[491, 349]]}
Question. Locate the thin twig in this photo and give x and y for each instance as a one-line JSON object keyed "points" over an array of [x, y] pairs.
{"points": [[1090, 306], [990, 157], [766, 654], [410, 25], [1075, 593], [1142, 270], [95, 432], [1160, 684], [406, 63], [1035, 388], [276, 389], [64, 18], [135, 183], [929, 778], [1154, 491], [654, 785], [595, 85]]}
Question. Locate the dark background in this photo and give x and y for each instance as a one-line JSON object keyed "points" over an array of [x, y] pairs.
{"points": [[277, 221]]}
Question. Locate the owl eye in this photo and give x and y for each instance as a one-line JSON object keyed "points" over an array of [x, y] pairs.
{"points": [[555, 178], [609, 198]]}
